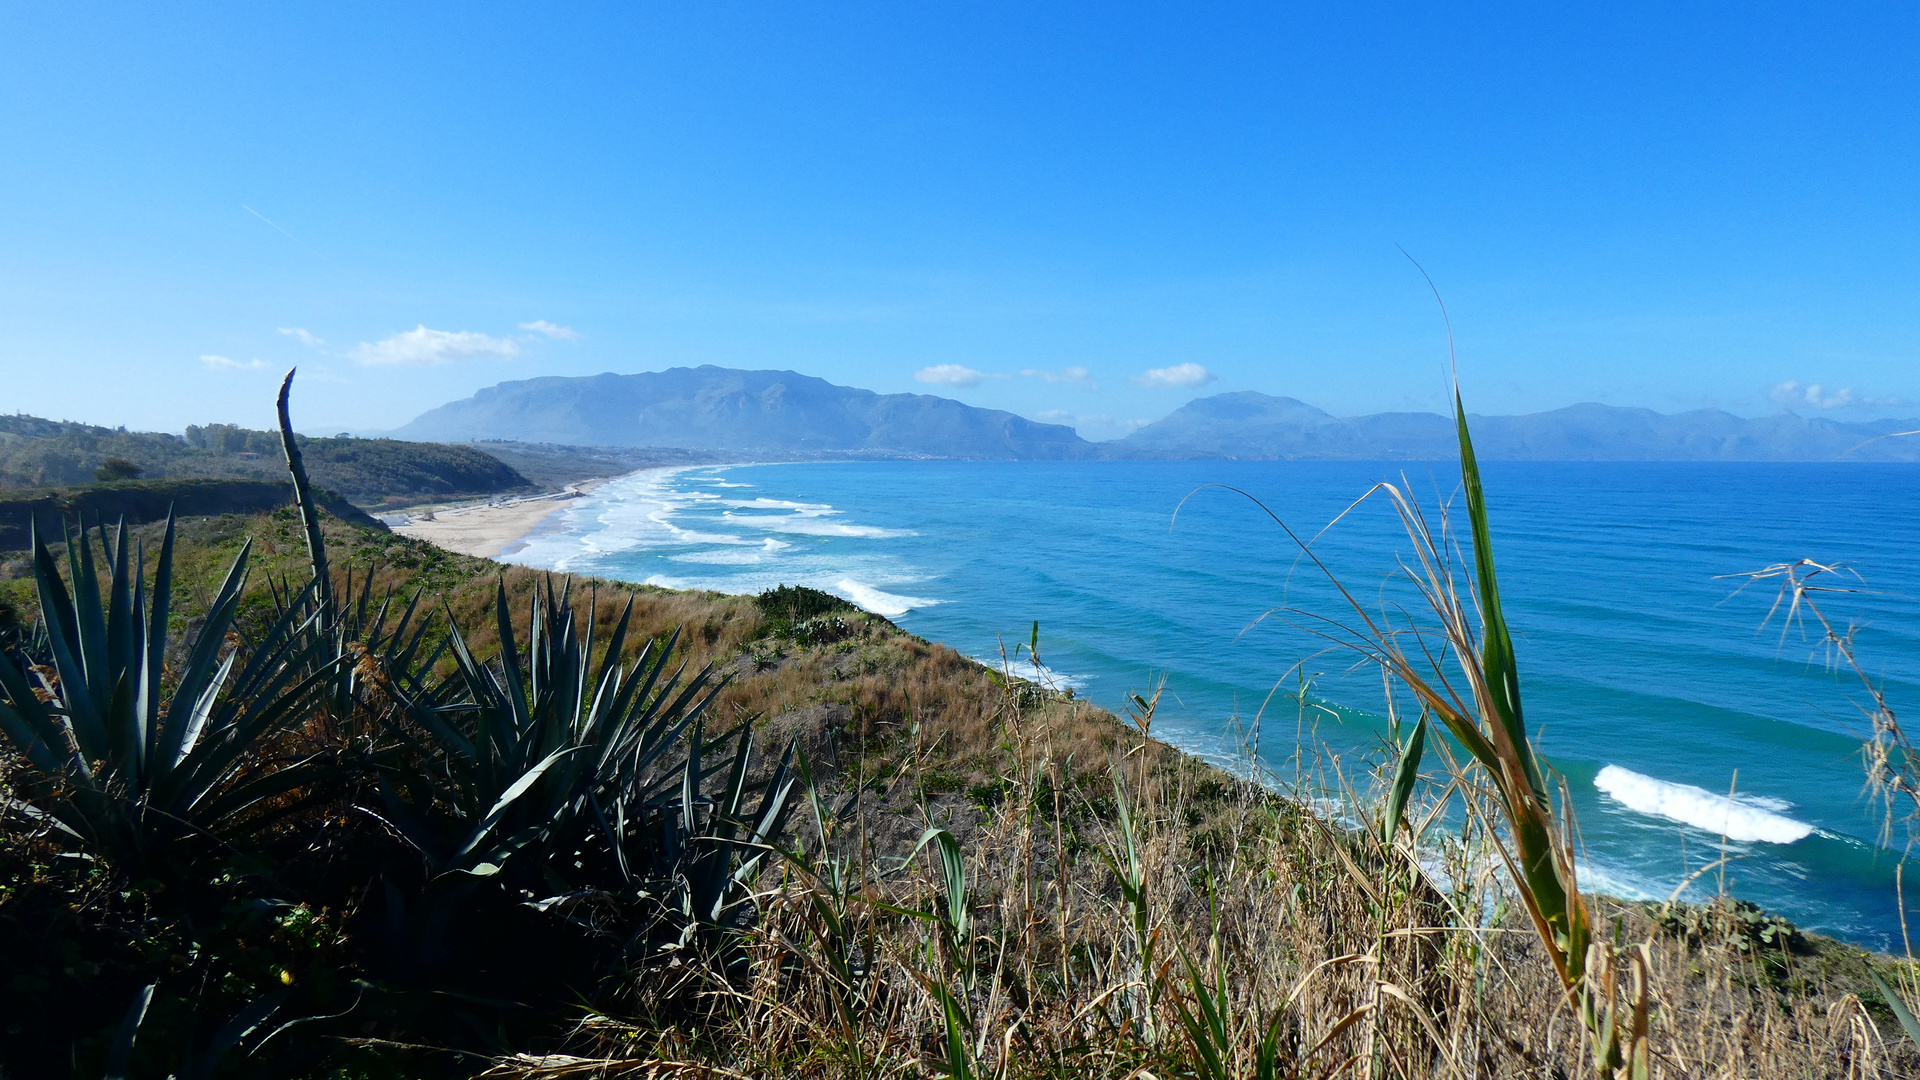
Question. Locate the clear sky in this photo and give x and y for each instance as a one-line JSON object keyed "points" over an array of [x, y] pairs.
{"points": [[1666, 205]]}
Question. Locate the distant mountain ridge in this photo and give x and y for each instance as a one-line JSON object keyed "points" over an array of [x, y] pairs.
{"points": [[1259, 426], [744, 412], [724, 411]]}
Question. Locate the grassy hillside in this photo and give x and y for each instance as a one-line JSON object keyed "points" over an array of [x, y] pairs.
{"points": [[138, 501], [373, 473], [1098, 904]]}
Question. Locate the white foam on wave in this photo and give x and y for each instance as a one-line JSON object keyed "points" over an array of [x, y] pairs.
{"points": [[871, 599], [769, 548], [811, 526], [1039, 674], [1620, 883], [800, 509], [1741, 818]]}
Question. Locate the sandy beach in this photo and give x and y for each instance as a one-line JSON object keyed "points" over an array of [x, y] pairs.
{"points": [[487, 529]]}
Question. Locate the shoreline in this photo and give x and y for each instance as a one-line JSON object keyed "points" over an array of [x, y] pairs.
{"points": [[487, 530]]}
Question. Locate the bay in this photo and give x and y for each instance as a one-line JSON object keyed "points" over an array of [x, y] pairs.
{"points": [[1684, 728]]}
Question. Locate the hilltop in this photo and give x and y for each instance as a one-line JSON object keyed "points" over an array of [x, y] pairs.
{"points": [[372, 473], [742, 412]]}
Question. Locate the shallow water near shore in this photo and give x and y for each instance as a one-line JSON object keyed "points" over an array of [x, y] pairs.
{"points": [[1680, 726]]}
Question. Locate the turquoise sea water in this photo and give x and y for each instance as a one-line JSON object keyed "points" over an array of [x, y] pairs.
{"points": [[1651, 687]]}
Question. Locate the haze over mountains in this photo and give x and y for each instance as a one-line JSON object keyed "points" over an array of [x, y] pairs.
{"points": [[1251, 425], [770, 413], [744, 412]]}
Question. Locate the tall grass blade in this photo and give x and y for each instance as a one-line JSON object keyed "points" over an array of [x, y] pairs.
{"points": [[1908, 1023], [1406, 771]]}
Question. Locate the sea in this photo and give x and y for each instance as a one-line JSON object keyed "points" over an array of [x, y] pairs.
{"points": [[1690, 721]]}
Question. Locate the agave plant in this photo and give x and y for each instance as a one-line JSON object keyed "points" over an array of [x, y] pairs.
{"points": [[143, 766], [345, 625], [553, 769]]}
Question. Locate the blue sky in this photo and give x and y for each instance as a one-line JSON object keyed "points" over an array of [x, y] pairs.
{"points": [[1662, 206]]}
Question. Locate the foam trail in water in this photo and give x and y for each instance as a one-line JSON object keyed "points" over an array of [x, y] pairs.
{"points": [[1737, 818], [1035, 673], [880, 603], [801, 509], [735, 556], [811, 526]]}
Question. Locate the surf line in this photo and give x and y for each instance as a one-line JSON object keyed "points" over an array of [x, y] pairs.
{"points": [[1739, 818]]}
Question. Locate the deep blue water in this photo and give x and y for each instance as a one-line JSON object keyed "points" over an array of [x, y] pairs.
{"points": [[1634, 653]]}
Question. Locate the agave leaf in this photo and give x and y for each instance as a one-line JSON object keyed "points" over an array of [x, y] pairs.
{"points": [[122, 1051], [268, 703], [506, 800], [195, 721], [89, 620], [515, 686], [59, 612], [405, 822], [234, 1030], [202, 661], [160, 610], [34, 729], [690, 785]]}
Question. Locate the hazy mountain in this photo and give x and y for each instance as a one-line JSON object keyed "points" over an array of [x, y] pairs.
{"points": [[722, 411], [1252, 425], [742, 412]]}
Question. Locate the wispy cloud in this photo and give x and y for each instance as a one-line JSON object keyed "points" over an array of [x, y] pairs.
{"points": [[222, 363], [557, 333], [1794, 393], [1071, 374], [421, 346], [303, 336], [953, 375], [1177, 377]]}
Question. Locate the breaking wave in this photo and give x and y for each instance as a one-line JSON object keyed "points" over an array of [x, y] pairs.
{"points": [[1741, 818], [880, 603]]}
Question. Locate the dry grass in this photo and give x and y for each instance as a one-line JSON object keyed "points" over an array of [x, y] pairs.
{"points": [[1351, 954], [1095, 948]]}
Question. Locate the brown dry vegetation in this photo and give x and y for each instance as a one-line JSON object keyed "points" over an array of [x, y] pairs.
{"points": [[1090, 948]]}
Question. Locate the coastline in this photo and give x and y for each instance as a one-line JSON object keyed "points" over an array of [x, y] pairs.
{"points": [[487, 530]]}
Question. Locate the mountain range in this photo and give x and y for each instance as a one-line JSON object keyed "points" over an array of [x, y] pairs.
{"points": [[768, 413], [1251, 425], [742, 412]]}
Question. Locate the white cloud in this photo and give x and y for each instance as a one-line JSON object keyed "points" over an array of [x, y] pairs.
{"points": [[1176, 377], [306, 338], [1071, 374], [1795, 393], [222, 363], [953, 375], [558, 333], [421, 346]]}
